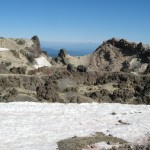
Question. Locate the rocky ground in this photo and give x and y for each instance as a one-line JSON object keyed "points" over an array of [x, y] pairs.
{"points": [[30, 125], [88, 143], [116, 72]]}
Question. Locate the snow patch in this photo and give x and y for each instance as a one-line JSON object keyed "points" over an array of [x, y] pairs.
{"points": [[41, 62], [28, 125], [4, 49], [100, 146]]}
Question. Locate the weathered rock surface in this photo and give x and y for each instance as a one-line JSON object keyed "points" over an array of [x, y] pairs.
{"points": [[62, 53], [115, 55], [117, 71], [81, 68], [71, 67]]}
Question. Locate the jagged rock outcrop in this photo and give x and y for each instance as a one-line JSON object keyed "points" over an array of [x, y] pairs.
{"points": [[37, 46], [62, 53], [117, 71], [81, 68], [62, 57], [121, 55], [71, 67], [118, 55], [115, 55]]}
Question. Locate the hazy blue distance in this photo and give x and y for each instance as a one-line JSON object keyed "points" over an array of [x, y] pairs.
{"points": [[77, 21], [75, 49]]}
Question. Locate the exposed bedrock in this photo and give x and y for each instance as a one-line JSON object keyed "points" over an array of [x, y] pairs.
{"points": [[117, 71]]}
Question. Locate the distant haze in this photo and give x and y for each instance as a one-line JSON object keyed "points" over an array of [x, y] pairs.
{"points": [[76, 20], [73, 48]]}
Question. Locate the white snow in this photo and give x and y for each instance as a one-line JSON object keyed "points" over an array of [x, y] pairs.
{"points": [[3, 49], [36, 126], [41, 62], [100, 146]]}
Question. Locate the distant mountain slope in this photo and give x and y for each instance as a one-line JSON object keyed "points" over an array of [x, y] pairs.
{"points": [[54, 52], [114, 55]]}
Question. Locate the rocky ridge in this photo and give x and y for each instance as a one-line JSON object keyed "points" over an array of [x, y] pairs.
{"points": [[117, 71]]}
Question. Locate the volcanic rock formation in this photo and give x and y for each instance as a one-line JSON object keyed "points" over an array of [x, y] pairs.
{"points": [[117, 71]]}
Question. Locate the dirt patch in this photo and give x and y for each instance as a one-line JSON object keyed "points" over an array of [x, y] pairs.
{"points": [[78, 143]]}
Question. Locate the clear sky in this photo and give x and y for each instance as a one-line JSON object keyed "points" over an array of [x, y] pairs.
{"points": [[76, 20]]}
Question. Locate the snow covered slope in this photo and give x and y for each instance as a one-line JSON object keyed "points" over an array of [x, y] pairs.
{"points": [[36, 126], [41, 62]]}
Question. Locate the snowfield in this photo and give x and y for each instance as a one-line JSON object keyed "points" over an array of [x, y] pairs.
{"points": [[39, 126], [41, 62], [4, 49]]}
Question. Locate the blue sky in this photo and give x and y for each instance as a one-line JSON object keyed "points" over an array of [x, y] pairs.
{"points": [[76, 20]]}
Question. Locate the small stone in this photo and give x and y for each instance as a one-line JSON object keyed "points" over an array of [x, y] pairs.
{"points": [[108, 143], [113, 113]]}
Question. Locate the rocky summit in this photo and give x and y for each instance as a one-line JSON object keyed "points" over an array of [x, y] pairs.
{"points": [[118, 71]]}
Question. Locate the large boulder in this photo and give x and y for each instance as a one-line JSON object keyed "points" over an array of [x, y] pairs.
{"points": [[62, 57], [81, 68], [36, 41], [9, 94], [144, 55], [123, 94], [48, 91], [71, 67], [18, 70], [62, 53]]}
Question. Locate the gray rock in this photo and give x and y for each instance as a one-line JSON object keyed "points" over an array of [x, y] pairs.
{"points": [[3, 69], [36, 40], [81, 68], [6, 62], [65, 61], [62, 53], [123, 94], [71, 67], [20, 41], [18, 70]]}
